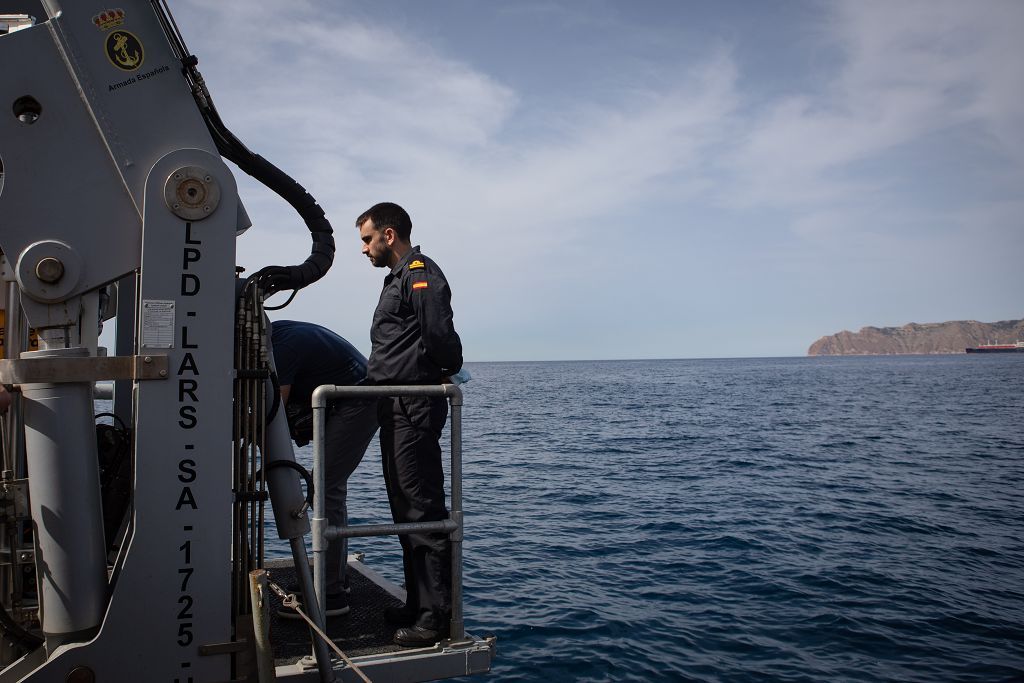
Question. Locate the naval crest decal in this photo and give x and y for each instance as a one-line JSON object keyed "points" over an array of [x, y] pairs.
{"points": [[125, 51]]}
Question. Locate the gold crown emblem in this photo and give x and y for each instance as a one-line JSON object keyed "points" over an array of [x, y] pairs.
{"points": [[109, 18]]}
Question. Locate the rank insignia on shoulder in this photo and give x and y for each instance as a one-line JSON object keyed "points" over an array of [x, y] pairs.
{"points": [[416, 265], [420, 285]]}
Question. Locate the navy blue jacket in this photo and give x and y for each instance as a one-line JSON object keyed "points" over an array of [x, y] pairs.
{"points": [[413, 335]]}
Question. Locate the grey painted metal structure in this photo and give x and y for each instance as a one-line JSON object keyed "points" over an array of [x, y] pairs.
{"points": [[109, 138], [110, 175]]}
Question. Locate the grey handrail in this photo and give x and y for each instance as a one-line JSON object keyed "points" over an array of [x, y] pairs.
{"points": [[453, 526]]}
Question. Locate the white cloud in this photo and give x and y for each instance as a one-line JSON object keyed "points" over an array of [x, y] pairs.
{"points": [[506, 187], [609, 157], [358, 113], [910, 69]]}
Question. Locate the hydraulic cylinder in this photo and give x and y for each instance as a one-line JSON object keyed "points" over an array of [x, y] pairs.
{"points": [[286, 495], [67, 516]]}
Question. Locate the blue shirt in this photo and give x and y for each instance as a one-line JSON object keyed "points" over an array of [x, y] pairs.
{"points": [[309, 355]]}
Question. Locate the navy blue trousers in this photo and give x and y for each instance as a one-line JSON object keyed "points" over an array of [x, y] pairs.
{"points": [[410, 433]]}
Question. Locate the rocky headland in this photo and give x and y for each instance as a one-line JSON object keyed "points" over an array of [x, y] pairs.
{"points": [[948, 337]]}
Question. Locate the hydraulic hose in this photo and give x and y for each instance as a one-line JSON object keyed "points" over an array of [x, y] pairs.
{"points": [[303, 472], [274, 279], [270, 279]]}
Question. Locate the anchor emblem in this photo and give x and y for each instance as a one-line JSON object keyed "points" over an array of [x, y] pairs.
{"points": [[124, 50]]}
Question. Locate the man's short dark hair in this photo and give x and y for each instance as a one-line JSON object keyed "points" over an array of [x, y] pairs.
{"points": [[388, 215]]}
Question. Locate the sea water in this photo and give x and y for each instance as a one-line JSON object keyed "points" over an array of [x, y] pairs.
{"points": [[795, 519]]}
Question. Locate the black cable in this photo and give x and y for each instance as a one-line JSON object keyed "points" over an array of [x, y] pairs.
{"points": [[272, 278], [278, 278], [303, 472], [119, 420], [13, 630], [278, 308]]}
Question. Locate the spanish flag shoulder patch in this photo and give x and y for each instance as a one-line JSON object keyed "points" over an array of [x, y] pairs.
{"points": [[417, 264], [420, 285]]}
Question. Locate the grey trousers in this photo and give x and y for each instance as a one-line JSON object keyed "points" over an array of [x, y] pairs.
{"points": [[348, 431]]}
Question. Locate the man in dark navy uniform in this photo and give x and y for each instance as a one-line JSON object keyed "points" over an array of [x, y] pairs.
{"points": [[306, 356], [414, 342]]}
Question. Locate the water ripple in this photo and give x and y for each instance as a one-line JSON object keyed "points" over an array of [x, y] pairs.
{"points": [[804, 519]]}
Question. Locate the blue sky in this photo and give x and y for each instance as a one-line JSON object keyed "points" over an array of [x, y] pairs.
{"points": [[640, 179]]}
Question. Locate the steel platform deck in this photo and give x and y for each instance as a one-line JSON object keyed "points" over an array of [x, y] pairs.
{"points": [[366, 639]]}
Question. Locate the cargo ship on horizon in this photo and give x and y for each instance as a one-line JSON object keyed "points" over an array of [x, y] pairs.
{"points": [[996, 348]]}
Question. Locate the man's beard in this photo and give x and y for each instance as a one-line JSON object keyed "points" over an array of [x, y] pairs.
{"points": [[381, 261]]}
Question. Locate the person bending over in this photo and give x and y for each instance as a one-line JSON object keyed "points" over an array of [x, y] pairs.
{"points": [[307, 356]]}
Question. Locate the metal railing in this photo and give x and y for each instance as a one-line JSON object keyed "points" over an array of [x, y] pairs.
{"points": [[453, 526]]}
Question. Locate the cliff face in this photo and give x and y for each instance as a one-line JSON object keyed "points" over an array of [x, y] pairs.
{"points": [[949, 337]]}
